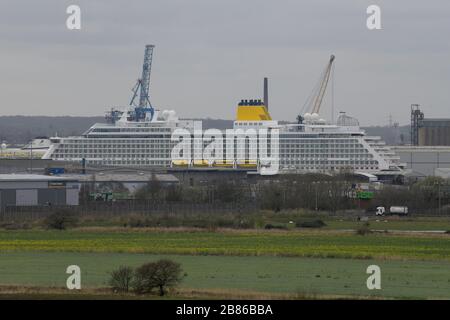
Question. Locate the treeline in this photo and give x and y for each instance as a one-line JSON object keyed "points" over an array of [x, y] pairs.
{"points": [[308, 191], [431, 194], [16, 130]]}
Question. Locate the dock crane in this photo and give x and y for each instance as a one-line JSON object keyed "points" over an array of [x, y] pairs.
{"points": [[143, 84], [143, 109], [316, 97]]}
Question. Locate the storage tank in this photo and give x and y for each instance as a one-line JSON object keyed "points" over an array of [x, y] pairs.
{"points": [[434, 132], [398, 210]]}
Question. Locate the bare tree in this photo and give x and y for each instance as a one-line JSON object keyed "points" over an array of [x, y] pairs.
{"points": [[121, 279], [160, 274]]}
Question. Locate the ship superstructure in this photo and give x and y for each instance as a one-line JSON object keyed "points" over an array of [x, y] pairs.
{"points": [[315, 146]]}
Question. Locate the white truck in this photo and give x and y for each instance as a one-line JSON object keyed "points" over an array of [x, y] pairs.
{"points": [[401, 211]]}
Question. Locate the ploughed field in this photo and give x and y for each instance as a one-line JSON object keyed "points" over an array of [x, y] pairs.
{"points": [[294, 262]]}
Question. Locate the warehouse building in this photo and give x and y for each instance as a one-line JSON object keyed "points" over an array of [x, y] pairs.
{"points": [[125, 181], [424, 161], [37, 190]]}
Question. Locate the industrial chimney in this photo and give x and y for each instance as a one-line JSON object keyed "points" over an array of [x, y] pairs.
{"points": [[266, 93]]}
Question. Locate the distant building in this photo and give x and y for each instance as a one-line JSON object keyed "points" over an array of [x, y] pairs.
{"points": [[442, 172], [122, 181], [424, 161], [35, 166], [37, 190], [428, 131]]}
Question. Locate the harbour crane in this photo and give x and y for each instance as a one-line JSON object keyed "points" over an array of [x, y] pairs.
{"points": [[142, 109], [316, 97], [143, 86]]}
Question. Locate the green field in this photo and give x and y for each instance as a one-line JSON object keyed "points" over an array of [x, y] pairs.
{"points": [[323, 244], [295, 262], [262, 274]]}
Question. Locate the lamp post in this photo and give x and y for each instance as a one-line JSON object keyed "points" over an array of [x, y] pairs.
{"points": [[439, 197], [438, 183], [31, 156], [317, 199], [316, 195]]}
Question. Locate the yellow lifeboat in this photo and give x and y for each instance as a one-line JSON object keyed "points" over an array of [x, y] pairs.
{"points": [[248, 164], [180, 163], [223, 164], [201, 163]]}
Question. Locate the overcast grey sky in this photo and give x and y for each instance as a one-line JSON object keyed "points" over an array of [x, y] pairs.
{"points": [[212, 53]]}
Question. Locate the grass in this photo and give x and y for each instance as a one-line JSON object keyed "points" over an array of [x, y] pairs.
{"points": [[239, 277], [305, 243]]}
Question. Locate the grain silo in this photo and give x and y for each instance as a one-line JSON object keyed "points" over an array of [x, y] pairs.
{"points": [[429, 131]]}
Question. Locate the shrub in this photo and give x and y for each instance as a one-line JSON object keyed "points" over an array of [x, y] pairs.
{"points": [[160, 275], [311, 224], [121, 279], [60, 220], [363, 229], [137, 223], [275, 226]]}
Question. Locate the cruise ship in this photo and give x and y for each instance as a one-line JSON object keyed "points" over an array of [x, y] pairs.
{"points": [[142, 136], [313, 146]]}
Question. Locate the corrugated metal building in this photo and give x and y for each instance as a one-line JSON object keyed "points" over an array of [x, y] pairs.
{"points": [[131, 180], [36, 190]]}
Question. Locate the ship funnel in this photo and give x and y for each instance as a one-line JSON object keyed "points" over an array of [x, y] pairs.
{"points": [[266, 93]]}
